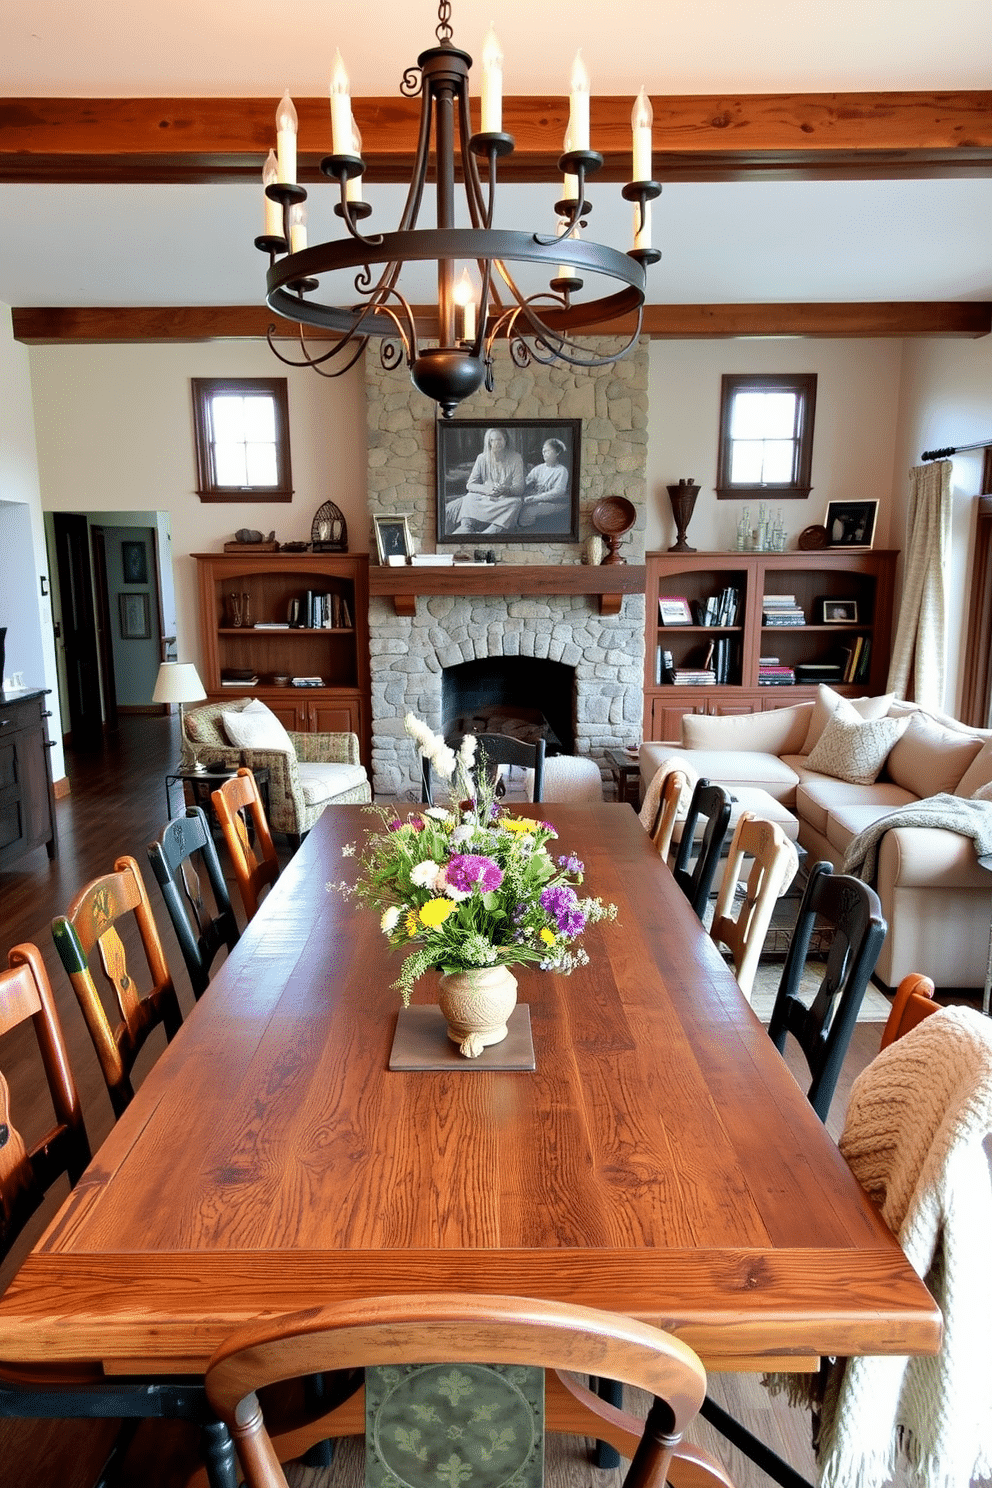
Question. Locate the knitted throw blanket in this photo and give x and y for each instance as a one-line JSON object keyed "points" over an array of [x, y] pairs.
{"points": [[652, 796], [954, 813], [918, 1138]]}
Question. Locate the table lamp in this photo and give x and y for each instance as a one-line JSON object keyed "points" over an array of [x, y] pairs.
{"points": [[179, 682]]}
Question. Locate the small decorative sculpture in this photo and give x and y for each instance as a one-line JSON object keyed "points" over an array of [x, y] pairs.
{"points": [[683, 499], [240, 609], [249, 535]]}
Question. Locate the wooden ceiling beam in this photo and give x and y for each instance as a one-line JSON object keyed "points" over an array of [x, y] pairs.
{"points": [[780, 136], [968, 318]]}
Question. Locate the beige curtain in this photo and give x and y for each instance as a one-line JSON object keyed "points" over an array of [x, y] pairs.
{"points": [[919, 652]]}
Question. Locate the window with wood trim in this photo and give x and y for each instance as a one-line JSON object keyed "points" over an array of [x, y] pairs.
{"points": [[766, 435], [241, 427], [976, 698]]}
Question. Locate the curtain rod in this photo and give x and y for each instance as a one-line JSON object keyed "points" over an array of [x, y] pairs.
{"points": [[959, 449]]}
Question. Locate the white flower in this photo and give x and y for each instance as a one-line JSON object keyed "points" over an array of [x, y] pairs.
{"points": [[443, 759], [425, 873], [466, 752], [461, 834], [438, 813], [348, 851], [390, 919]]}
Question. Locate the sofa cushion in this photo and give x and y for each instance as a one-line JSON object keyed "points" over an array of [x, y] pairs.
{"points": [[777, 731], [929, 758], [257, 727], [321, 782], [855, 751], [829, 702], [819, 797], [733, 767], [978, 773]]}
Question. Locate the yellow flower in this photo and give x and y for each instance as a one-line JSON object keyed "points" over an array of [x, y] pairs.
{"points": [[547, 936], [519, 824], [436, 911], [411, 923]]}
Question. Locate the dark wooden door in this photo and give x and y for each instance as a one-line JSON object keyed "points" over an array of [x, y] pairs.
{"points": [[79, 633]]}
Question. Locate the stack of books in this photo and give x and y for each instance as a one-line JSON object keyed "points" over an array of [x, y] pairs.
{"points": [[775, 676], [818, 671], [238, 677], [719, 609], [685, 677], [323, 612], [781, 609]]}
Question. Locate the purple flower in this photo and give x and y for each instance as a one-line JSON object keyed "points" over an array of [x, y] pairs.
{"points": [[547, 827], [465, 870], [394, 825], [572, 863], [562, 904]]}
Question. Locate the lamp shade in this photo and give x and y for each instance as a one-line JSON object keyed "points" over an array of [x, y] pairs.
{"points": [[178, 682]]}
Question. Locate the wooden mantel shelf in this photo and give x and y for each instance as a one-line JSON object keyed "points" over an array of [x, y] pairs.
{"points": [[610, 582]]}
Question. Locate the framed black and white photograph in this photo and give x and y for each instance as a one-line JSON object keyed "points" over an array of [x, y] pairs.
{"points": [[838, 612], [135, 617], [515, 480], [850, 524], [392, 539], [134, 562], [674, 610]]}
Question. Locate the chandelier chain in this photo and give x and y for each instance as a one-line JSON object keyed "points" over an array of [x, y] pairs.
{"points": [[444, 32]]}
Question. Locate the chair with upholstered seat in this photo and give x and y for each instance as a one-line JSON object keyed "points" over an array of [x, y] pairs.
{"points": [[774, 862], [823, 1029], [256, 865], [496, 750], [307, 772], [91, 923], [456, 1328], [185, 841], [912, 1003], [696, 860]]}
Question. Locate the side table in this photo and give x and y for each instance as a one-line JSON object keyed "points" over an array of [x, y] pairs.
{"points": [[626, 772], [202, 782]]}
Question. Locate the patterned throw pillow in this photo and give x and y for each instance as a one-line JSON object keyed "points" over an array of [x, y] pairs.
{"points": [[855, 751]]}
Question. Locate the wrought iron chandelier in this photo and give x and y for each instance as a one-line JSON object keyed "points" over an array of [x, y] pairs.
{"points": [[470, 317]]}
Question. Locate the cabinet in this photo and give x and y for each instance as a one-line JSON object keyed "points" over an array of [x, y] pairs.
{"points": [[268, 588], [862, 579], [27, 802]]}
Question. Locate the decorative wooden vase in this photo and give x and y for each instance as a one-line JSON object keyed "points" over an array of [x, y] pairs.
{"points": [[683, 499], [476, 1005]]}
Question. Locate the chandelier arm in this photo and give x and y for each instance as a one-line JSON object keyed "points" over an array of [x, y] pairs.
{"points": [[312, 361], [480, 215], [411, 207], [347, 216]]}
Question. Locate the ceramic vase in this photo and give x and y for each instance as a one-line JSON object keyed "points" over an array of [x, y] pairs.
{"points": [[683, 499], [476, 1004]]}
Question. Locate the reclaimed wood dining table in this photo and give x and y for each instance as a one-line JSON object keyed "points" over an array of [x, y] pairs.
{"points": [[660, 1160]]}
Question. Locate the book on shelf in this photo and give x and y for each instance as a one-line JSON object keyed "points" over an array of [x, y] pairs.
{"points": [[816, 672], [239, 681], [783, 617], [308, 682], [785, 601], [663, 667], [272, 625], [432, 560], [694, 679]]}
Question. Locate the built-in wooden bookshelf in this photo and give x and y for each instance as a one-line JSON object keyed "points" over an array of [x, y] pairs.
{"points": [[860, 581]]}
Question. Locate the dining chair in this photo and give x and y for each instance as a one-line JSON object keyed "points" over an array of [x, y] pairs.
{"points": [[823, 1028], [184, 841], [457, 1328], [774, 862], [696, 861], [498, 749], [912, 1003], [674, 798], [255, 865], [91, 923], [28, 1172]]}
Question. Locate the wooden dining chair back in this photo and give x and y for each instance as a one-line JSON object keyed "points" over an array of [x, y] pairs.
{"points": [[91, 923], [27, 1172], [497, 749], [456, 1328], [823, 1028], [674, 798], [912, 1003], [255, 864], [184, 843], [774, 862], [696, 861]]}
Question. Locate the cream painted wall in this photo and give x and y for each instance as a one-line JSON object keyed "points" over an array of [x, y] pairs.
{"points": [[857, 400], [115, 434], [24, 611], [947, 401]]}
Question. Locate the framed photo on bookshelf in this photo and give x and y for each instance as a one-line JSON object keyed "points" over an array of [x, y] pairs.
{"points": [[838, 612], [850, 524], [673, 609], [392, 539]]}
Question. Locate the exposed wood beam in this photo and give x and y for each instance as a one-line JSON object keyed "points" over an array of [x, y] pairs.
{"points": [[968, 318], [709, 137]]}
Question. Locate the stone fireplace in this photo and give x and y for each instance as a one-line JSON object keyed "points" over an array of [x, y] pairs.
{"points": [[594, 686]]}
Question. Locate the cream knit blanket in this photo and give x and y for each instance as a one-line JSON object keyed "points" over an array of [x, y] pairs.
{"points": [[918, 1138], [652, 796], [954, 813]]}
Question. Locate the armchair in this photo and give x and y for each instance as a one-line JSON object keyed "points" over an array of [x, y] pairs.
{"points": [[321, 769]]}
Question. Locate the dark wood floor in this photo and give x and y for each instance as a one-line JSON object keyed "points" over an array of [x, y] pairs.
{"points": [[117, 805]]}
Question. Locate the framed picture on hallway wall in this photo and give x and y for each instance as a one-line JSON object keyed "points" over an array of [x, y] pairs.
{"points": [[135, 617], [511, 480]]}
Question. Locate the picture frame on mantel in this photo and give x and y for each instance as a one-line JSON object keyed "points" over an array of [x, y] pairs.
{"points": [[509, 480]]}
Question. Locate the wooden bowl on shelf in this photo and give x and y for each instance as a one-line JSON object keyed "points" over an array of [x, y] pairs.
{"points": [[612, 516]]}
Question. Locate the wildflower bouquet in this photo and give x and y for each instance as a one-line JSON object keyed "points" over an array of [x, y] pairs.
{"points": [[469, 885]]}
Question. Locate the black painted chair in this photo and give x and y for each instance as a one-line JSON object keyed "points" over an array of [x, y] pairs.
{"points": [[823, 1029], [696, 861], [200, 934], [499, 749]]}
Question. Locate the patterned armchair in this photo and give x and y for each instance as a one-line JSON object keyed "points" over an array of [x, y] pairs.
{"points": [[325, 770]]}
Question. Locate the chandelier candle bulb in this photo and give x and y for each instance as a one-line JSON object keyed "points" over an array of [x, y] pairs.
{"points": [[287, 124], [465, 300], [341, 126], [577, 137], [297, 227], [273, 211], [492, 84], [641, 120], [353, 185]]}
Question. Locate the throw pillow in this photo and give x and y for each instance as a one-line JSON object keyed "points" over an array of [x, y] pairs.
{"points": [[983, 793], [257, 727], [855, 751], [829, 702], [979, 772], [929, 759]]}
